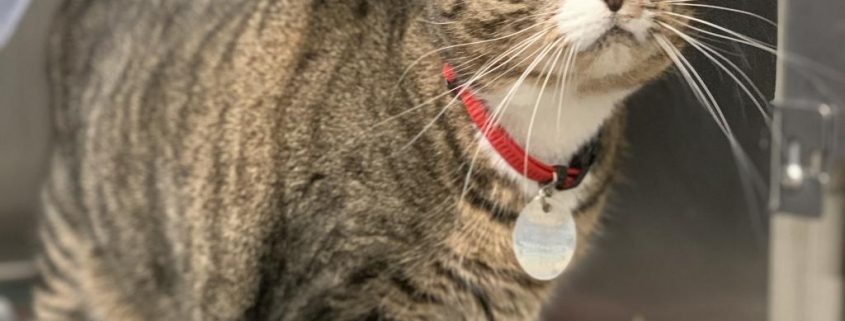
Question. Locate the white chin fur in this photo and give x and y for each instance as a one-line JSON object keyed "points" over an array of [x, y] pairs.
{"points": [[615, 59], [584, 22]]}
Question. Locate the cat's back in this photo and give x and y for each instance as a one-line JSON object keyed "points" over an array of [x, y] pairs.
{"points": [[173, 131]]}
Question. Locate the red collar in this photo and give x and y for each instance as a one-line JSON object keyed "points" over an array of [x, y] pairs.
{"points": [[563, 177]]}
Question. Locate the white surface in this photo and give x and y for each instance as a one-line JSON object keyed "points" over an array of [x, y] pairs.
{"points": [[11, 12], [7, 312]]}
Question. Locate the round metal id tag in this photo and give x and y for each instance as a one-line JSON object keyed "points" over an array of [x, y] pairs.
{"points": [[544, 238]]}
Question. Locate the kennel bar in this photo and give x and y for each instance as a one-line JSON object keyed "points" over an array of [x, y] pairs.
{"points": [[808, 180]]}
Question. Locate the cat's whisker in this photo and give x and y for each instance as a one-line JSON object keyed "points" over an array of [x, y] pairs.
{"points": [[697, 85], [709, 53], [752, 182], [433, 52], [560, 80], [412, 109], [749, 42], [484, 71], [513, 53], [743, 12], [500, 109], [712, 41], [810, 68], [702, 91], [500, 38], [560, 83], [738, 36], [515, 21], [525, 44], [536, 52], [788, 57], [549, 70], [464, 65], [447, 107], [437, 23], [511, 93], [567, 78]]}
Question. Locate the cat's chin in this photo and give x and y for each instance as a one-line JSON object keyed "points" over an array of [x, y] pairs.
{"points": [[613, 57], [616, 36], [621, 55]]}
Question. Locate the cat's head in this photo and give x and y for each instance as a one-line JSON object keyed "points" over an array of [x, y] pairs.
{"points": [[614, 43]]}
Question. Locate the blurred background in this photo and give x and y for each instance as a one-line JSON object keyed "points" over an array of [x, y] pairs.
{"points": [[682, 242], [24, 135]]}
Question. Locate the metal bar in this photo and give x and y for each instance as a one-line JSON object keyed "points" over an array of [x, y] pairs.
{"points": [[809, 165]]}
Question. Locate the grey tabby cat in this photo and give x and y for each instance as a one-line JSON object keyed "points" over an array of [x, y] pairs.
{"points": [[305, 159]]}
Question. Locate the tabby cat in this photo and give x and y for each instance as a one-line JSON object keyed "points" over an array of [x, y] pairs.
{"points": [[306, 160]]}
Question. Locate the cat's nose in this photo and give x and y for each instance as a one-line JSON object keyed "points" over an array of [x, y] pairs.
{"points": [[614, 5]]}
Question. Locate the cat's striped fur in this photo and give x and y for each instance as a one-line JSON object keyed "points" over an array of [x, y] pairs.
{"points": [[230, 160]]}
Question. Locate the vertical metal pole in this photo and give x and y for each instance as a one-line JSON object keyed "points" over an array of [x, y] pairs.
{"points": [[807, 265], [808, 186]]}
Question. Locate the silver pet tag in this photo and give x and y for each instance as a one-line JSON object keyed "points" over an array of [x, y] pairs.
{"points": [[544, 238]]}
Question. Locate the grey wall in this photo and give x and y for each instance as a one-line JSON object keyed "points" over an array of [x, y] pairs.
{"points": [[23, 130], [23, 147]]}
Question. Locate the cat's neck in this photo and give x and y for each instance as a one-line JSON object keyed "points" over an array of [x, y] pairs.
{"points": [[551, 129]]}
